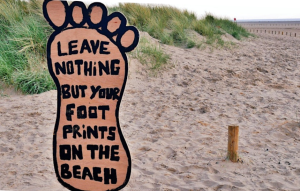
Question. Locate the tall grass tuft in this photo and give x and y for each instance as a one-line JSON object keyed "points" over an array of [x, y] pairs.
{"points": [[33, 82], [150, 54], [232, 28], [23, 40]]}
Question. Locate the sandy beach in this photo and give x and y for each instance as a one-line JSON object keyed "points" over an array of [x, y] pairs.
{"points": [[175, 122], [288, 28]]}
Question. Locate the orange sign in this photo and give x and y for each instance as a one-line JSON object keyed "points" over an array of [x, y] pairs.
{"points": [[87, 61]]}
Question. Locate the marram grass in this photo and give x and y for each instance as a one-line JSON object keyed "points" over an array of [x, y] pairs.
{"points": [[150, 54], [24, 33]]}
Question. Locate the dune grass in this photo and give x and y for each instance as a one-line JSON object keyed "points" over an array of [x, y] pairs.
{"points": [[150, 54], [170, 25], [24, 33], [23, 41]]}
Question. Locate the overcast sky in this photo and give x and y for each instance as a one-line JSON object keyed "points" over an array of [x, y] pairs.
{"points": [[253, 9]]}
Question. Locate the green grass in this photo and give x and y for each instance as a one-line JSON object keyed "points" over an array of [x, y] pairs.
{"points": [[33, 82], [190, 44], [169, 24], [24, 33], [150, 54]]}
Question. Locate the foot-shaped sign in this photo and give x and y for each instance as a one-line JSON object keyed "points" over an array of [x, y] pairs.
{"points": [[87, 61]]}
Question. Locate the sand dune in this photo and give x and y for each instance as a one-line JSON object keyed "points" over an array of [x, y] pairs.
{"points": [[175, 124]]}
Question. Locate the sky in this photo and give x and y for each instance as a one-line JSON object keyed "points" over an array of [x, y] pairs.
{"points": [[239, 9]]}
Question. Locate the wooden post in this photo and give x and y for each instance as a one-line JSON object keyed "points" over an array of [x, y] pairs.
{"points": [[233, 143]]}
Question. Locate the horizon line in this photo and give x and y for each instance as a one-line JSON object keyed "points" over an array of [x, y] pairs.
{"points": [[269, 20]]}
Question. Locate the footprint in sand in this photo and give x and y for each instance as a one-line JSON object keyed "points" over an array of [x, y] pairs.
{"points": [[87, 61]]}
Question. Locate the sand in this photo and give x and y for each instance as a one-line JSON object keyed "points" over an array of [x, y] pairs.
{"points": [[175, 123]]}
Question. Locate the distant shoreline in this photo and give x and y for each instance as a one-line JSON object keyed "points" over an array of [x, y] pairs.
{"points": [[268, 20]]}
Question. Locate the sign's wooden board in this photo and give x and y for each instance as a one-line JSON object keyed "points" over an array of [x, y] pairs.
{"points": [[87, 61]]}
